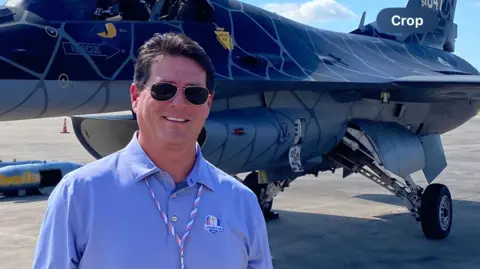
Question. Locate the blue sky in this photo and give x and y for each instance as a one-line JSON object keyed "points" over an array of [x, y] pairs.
{"points": [[344, 16]]}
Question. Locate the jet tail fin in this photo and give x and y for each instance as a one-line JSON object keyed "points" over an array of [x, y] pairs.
{"points": [[443, 37], [361, 25]]}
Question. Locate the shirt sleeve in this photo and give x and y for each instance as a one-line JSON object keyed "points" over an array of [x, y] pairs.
{"points": [[260, 257], [57, 241]]}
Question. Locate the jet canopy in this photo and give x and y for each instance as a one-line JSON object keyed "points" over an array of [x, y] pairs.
{"points": [[129, 10], [57, 10], [184, 10]]}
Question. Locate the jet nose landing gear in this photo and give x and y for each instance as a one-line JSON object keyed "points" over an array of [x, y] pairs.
{"points": [[436, 211], [265, 192]]}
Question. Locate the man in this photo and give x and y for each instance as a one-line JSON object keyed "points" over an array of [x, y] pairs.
{"points": [[157, 203]]}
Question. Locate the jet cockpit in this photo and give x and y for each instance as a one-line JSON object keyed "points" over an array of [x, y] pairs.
{"points": [[116, 10], [154, 10]]}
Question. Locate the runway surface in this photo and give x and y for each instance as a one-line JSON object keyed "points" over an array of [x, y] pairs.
{"points": [[326, 222]]}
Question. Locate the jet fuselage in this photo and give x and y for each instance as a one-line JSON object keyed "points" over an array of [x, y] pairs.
{"points": [[67, 68]]}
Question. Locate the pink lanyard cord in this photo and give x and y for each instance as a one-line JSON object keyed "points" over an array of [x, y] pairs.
{"points": [[171, 229]]}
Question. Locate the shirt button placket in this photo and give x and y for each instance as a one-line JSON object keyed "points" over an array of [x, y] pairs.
{"points": [[174, 217], [172, 208]]}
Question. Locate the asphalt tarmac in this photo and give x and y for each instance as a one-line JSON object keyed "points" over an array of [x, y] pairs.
{"points": [[325, 222]]}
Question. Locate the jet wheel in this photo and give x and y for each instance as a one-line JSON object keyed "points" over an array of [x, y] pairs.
{"points": [[10, 194], [251, 181], [436, 211], [46, 190]]}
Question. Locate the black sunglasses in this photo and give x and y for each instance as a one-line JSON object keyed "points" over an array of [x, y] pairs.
{"points": [[164, 91]]}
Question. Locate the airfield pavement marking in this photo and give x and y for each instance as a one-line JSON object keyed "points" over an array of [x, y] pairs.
{"points": [[325, 222]]}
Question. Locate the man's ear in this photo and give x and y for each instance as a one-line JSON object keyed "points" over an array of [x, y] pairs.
{"points": [[134, 96]]}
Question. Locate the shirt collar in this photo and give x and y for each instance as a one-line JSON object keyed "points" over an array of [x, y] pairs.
{"points": [[142, 166]]}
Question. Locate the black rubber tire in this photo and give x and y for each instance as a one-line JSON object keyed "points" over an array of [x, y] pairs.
{"points": [[46, 191], [430, 209], [252, 183], [10, 194]]}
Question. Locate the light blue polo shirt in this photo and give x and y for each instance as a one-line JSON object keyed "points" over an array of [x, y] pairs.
{"points": [[103, 216]]}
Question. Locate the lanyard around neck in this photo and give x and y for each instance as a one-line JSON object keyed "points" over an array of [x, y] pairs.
{"points": [[171, 229]]}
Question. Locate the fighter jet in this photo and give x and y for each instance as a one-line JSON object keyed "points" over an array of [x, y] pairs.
{"points": [[291, 99]]}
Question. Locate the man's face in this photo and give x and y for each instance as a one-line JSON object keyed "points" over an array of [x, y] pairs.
{"points": [[152, 114]]}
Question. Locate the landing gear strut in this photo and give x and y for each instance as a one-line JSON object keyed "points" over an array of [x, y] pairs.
{"points": [[432, 207], [265, 193]]}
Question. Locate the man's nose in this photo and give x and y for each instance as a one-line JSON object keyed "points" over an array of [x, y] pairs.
{"points": [[179, 99]]}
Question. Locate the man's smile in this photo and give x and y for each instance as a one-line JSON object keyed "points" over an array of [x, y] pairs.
{"points": [[176, 120]]}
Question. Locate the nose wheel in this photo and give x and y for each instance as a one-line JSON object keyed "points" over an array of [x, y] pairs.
{"points": [[436, 211], [264, 195]]}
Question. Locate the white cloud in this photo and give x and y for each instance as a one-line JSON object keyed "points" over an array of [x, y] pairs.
{"points": [[311, 11]]}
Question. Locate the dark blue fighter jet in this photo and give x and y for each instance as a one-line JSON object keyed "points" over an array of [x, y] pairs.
{"points": [[291, 99]]}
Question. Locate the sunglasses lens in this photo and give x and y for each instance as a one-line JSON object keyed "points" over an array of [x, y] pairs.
{"points": [[196, 95], [163, 91]]}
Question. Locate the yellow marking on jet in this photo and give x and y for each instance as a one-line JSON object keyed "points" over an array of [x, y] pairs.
{"points": [[25, 178], [110, 31], [224, 38]]}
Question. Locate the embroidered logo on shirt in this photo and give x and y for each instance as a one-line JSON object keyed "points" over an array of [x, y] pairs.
{"points": [[212, 224]]}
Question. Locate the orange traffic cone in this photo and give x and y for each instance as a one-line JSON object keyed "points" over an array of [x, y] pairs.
{"points": [[64, 130]]}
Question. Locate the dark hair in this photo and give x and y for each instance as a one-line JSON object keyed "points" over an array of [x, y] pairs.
{"points": [[171, 44]]}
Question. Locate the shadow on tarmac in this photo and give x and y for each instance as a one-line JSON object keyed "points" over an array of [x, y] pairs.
{"points": [[306, 240], [24, 199]]}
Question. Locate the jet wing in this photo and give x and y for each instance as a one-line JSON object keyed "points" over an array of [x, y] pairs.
{"points": [[436, 88], [439, 81], [416, 89]]}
